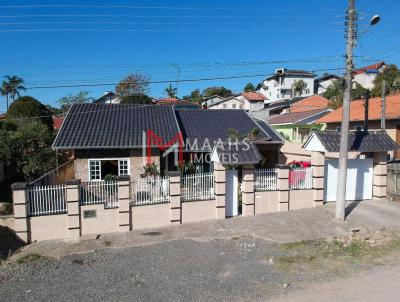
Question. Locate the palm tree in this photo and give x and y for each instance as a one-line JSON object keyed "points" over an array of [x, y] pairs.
{"points": [[298, 88], [171, 92], [5, 91], [15, 85]]}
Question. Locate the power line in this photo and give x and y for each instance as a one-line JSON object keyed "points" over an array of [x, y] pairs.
{"points": [[159, 16], [166, 81], [149, 30], [145, 7]]}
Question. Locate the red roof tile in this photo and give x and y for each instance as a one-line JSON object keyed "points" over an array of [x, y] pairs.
{"points": [[369, 67], [254, 96], [313, 102], [57, 122], [357, 110]]}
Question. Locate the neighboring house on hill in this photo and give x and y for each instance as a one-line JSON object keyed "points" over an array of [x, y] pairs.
{"points": [[296, 127], [274, 108], [212, 100], [279, 86], [313, 102], [109, 97], [232, 102], [357, 116], [111, 141], [248, 101], [323, 82], [365, 76]]}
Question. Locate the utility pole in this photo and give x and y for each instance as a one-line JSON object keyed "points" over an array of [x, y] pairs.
{"points": [[383, 106], [344, 133]]}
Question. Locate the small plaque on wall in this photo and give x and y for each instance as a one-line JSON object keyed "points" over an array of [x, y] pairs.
{"points": [[89, 214]]}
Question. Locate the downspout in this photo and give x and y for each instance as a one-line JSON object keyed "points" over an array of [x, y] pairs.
{"points": [[366, 109]]}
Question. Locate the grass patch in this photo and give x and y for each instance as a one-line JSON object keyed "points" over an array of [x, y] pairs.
{"points": [[29, 258], [332, 254]]}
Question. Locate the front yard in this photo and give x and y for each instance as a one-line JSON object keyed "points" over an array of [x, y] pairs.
{"points": [[239, 259], [240, 268]]}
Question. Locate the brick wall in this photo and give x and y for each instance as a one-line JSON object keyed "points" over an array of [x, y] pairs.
{"points": [[136, 161]]}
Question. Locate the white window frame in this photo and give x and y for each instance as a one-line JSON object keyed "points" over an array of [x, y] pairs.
{"points": [[119, 159]]}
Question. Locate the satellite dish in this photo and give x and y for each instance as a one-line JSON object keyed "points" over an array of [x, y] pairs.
{"points": [[375, 19]]}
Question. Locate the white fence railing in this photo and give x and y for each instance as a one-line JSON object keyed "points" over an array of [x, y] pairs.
{"points": [[300, 178], [47, 200], [266, 180], [100, 192], [199, 186], [150, 190]]}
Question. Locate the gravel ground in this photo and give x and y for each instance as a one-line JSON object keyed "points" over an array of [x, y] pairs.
{"points": [[182, 270]]}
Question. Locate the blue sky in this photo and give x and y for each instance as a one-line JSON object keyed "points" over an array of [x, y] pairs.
{"points": [[78, 42]]}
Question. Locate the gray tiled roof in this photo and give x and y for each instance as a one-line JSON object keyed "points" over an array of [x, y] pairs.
{"points": [[275, 137], [106, 126], [114, 126], [238, 154], [378, 141], [214, 125], [302, 117]]}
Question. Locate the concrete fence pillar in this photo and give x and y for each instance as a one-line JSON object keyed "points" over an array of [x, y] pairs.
{"points": [[20, 204], [248, 206], [283, 187], [219, 189], [72, 199], [318, 170], [379, 189], [175, 197], [124, 213]]}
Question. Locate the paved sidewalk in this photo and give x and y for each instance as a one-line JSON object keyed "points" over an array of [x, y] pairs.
{"points": [[296, 225]]}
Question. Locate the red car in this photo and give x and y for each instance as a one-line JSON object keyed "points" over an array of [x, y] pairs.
{"points": [[296, 177]]}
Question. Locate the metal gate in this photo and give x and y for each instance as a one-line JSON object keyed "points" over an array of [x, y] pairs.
{"points": [[231, 201], [359, 179]]}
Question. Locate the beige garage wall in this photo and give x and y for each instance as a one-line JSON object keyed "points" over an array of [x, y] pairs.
{"points": [[106, 220], [199, 210], [48, 227], [151, 216], [301, 199], [266, 202]]}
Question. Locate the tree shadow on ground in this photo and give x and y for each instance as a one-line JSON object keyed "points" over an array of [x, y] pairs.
{"points": [[9, 242]]}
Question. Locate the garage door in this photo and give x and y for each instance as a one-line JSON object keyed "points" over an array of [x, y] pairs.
{"points": [[359, 179]]}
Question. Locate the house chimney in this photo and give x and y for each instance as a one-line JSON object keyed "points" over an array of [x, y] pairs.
{"points": [[366, 109]]}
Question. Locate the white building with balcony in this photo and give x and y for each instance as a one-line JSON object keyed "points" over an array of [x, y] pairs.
{"points": [[279, 86]]}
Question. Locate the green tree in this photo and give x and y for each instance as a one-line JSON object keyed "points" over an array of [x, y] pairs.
{"points": [[335, 93], [194, 97], [358, 92], [298, 88], [29, 149], [71, 99], [171, 92], [5, 91], [391, 75], [220, 91], [249, 87], [26, 109], [14, 85], [138, 98], [133, 84]]}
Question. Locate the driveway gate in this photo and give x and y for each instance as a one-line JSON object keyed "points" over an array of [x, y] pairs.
{"points": [[359, 179]]}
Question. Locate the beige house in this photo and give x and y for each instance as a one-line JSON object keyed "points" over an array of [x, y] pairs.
{"points": [[249, 101]]}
